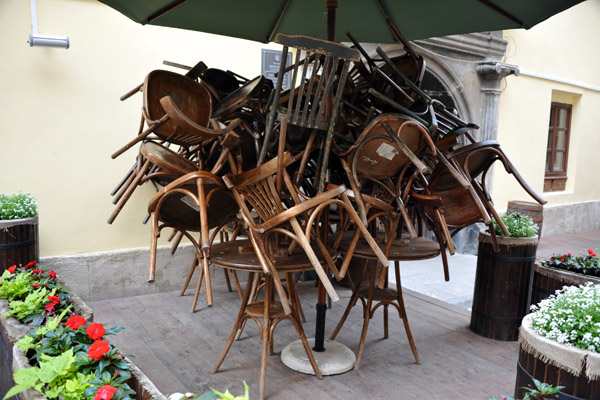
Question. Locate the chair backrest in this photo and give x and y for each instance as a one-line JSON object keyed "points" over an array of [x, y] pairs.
{"points": [[257, 188], [376, 154], [191, 97], [318, 75]]}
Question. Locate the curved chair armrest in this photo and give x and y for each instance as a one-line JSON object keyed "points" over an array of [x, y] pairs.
{"points": [[181, 120], [189, 178]]}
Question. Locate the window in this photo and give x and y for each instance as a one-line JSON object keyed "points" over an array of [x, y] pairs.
{"points": [[558, 147]]}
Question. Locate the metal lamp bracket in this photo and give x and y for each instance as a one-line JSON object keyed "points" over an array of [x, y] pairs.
{"points": [[36, 39]]}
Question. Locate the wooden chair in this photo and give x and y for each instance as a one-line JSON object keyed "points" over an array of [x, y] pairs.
{"points": [[385, 147], [195, 202], [374, 294], [177, 110], [463, 208], [266, 312], [260, 189], [318, 76]]}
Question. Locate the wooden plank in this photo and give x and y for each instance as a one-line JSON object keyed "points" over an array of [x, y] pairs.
{"points": [[176, 349]]}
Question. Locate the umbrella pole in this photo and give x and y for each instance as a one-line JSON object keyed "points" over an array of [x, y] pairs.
{"points": [[331, 5]]}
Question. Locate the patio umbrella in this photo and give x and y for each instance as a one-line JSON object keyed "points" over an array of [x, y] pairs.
{"points": [[369, 20]]}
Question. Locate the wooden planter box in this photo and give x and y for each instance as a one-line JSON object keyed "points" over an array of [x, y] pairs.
{"points": [[12, 358], [556, 364], [12, 330], [547, 280], [502, 290], [19, 243], [143, 387]]}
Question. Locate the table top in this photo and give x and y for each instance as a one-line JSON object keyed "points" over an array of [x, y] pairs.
{"points": [[240, 255], [406, 250]]}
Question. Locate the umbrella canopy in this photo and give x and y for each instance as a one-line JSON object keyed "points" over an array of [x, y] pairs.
{"points": [[261, 20]]}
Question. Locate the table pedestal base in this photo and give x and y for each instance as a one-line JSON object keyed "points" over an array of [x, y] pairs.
{"points": [[336, 359]]}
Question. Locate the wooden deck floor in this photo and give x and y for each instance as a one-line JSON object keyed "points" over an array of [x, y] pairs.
{"points": [[177, 350]]}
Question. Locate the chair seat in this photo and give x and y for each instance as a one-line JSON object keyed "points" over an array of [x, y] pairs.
{"points": [[385, 294], [416, 249], [240, 255]]}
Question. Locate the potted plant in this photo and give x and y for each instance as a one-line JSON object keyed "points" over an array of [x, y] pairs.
{"points": [[564, 270], [503, 279], [559, 342], [19, 242]]}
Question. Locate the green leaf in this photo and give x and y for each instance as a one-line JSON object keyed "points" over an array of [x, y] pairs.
{"points": [[15, 390]]}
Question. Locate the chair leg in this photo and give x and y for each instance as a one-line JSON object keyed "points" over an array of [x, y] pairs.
{"points": [[236, 324], [208, 284], [385, 321], [366, 320], [198, 287], [351, 302], [227, 281], [403, 313], [266, 338], [189, 277]]}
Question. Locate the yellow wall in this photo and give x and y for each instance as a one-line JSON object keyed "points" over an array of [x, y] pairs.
{"points": [[62, 118], [564, 47]]}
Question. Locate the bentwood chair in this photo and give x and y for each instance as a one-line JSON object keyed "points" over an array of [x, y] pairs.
{"points": [[462, 208], [177, 110], [311, 107], [260, 189], [374, 294], [195, 202]]}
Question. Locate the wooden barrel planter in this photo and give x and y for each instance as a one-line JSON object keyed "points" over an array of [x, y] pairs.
{"points": [[534, 210], [19, 243], [547, 280], [502, 286], [556, 364]]}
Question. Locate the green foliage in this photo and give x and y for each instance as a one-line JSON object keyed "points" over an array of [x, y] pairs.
{"points": [[54, 376], [542, 391], [571, 316], [518, 225], [18, 205], [32, 304], [15, 286], [212, 395], [583, 264]]}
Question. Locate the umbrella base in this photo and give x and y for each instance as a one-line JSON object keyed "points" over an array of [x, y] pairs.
{"points": [[336, 359]]}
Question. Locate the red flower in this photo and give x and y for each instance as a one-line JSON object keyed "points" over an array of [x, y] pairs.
{"points": [[95, 331], [50, 307], [116, 373], [75, 321], [570, 255], [37, 271], [35, 285], [54, 299], [12, 269], [561, 258], [98, 349], [106, 392], [52, 274], [591, 253], [30, 265]]}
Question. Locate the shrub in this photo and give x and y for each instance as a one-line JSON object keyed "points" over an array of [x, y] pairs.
{"points": [[518, 225], [18, 205]]}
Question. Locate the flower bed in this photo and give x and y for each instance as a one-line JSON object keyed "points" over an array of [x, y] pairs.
{"points": [[559, 342], [69, 354], [563, 270]]}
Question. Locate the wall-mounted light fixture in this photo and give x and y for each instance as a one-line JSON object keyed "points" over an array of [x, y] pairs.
{"points": [[36, 39]]}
